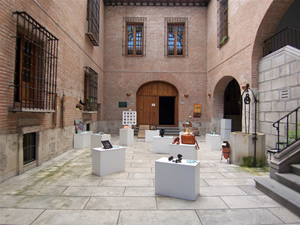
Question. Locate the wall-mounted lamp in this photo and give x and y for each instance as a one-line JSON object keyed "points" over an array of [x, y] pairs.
{"points": [[209, 95], [186, 95], [128, 94], [244, 87]]}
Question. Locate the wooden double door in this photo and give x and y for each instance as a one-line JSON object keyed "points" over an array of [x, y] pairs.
{"points": [[157, 104]]}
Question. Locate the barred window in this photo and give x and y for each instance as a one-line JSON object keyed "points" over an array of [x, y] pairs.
{"points": [[222, 22], [29, 148], [90, 89], [176, 36], [134, 32], [93, 21], [35, 66]]}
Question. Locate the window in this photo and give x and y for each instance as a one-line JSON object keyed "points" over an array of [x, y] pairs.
{"points": [[90, 89], [176, 36], [134, 32], [222, 22], [29, 148], [134, 35], [175, 39], [93, 21], [35, 66]]}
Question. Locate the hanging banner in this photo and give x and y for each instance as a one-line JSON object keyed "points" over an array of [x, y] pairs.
{"points": [[197, 110]]}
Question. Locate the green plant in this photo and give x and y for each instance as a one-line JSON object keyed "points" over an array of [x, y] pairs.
{"points": [[224, 39], [248, 161], [292, 134]]}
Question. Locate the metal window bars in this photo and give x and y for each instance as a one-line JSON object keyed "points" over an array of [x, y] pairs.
{"points": [[132, 20], [93, 21], [176, 20], [35, 66], [91, 89]]}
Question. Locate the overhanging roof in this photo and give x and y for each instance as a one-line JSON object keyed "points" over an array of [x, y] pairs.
{"points": [[201, 3]]}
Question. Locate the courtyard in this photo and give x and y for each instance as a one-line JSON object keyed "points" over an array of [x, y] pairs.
{"points": [[64, 191]]}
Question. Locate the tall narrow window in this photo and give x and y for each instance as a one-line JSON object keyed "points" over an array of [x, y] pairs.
{"points": [[222, 22], [134, 33], [134, 40], [175, 39], [29, 148], [90, 89], [176, 36], [93, 21], [35, 66]]}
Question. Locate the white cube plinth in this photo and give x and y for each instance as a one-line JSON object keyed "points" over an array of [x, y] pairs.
{"points": [[187, 151], [226, 124], [108, 161], [213, 141], [82, 140], [179, 180], [97, 138], [149, 134], [225, 134], [126, 136], [161, 144]]}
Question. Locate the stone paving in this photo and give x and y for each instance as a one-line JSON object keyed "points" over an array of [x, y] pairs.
{"points": [[64, 191]]}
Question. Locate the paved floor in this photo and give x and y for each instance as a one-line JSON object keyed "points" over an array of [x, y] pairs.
{"points": [[64, 191]]}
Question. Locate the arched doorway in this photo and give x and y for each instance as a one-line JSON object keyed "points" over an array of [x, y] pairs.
{"points": [[157, 104], [232, 105]]}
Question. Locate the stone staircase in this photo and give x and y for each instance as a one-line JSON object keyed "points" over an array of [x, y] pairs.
{"points": [[169, 131], [284, 187]]}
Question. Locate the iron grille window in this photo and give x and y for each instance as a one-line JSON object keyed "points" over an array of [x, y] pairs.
{"points": [[29, 148], [222, 22], [93, 21], [90, 89], [134, 32], [35, 66], [176, 36]]}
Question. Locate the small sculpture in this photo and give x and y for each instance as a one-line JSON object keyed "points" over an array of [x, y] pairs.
{"points": [[162, 132]]}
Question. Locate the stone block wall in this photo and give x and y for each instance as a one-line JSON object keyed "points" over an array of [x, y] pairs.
{"points": [[279, 89]]}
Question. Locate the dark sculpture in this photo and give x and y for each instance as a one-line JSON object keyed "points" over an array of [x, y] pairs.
{"points": [[162, 132]]}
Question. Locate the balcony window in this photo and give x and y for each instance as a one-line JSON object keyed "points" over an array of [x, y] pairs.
{"points": [[93, 21], [222, 22]]}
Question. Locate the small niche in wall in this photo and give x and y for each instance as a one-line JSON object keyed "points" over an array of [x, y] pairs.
{"points": [[88, 127]]}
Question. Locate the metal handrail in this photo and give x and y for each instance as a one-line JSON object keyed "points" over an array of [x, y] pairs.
{"points": [[287, 36], [289, 135]]}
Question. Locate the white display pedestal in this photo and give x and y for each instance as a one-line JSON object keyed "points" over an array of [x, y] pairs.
{"points": [[108, 161], [97, 138], [187, 151], [179, 180], [82, 140], [213, 141], [161, 144], [149, 134], [225, 128], [126, 136]]}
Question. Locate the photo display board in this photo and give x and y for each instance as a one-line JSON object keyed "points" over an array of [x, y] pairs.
{"points": [[129, 118]]}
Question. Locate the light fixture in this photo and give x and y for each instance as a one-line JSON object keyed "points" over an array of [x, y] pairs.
{"points": [[128, 94], [244, 87], [186, 95], [209, 95]]}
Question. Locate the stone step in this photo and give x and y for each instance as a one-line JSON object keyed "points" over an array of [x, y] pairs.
{"points": [[280, 193], [290, 180], [296, 169]]}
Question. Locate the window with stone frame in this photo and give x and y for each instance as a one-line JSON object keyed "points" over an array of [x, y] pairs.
{"points": [[35, 76], [90, 89], [223, 36], [134, 30], [176, 36], [29, 148], [93, 21]]}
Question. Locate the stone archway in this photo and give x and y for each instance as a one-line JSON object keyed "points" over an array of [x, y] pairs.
{"points": [[157, 104]]}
